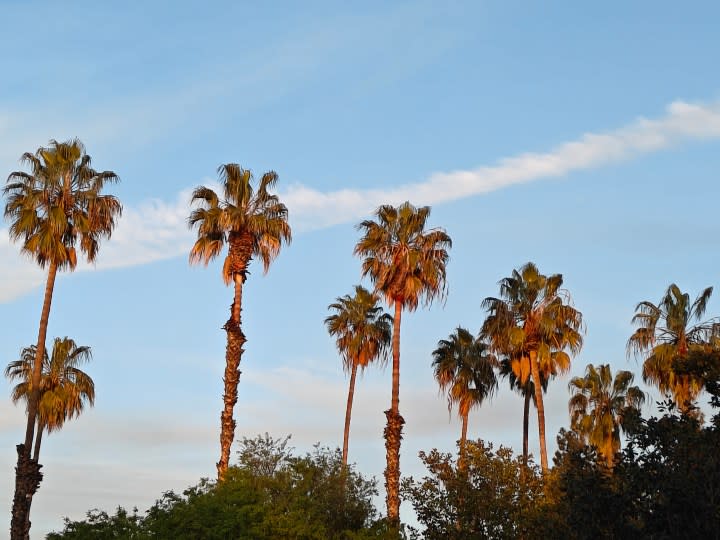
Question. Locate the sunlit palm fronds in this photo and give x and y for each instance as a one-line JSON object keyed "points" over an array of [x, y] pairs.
{"points": [[598, 406]]}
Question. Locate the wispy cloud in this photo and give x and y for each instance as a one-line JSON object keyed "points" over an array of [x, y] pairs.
{"points": [[157, 229], [312, 209]]}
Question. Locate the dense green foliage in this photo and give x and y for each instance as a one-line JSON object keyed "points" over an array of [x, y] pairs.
{"points": [[271, 493], [483, 499], [663, 486]]}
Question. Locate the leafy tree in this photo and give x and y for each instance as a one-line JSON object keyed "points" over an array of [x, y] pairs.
{"points": [[64, 387], [406, 263], [672, 468], [464, 369], [582, 500], [484, 499], [53, 209], [272, 493], [253, 223], [598, 405], [533, 318], [363, 332], [99, 525], [665, 337]]}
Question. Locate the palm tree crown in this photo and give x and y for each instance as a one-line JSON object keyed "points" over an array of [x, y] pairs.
{"points": [[598, 407], [252, 221], [64, 387], [404, 261], [59, 202], [533, 323], [361, 328], [666, 337], [464, 369]]}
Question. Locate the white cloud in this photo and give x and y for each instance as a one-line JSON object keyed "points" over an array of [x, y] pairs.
{"points": [[157, 229], [312, 209]]}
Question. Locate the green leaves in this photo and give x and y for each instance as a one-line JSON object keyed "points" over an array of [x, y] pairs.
{"points": [[272, 493]]}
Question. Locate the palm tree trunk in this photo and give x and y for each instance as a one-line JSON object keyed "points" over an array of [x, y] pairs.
{"points": [[535, 370], [38, 440], [27, 471], [526, 431], [36, 458], [463, 441], [393, 430], [233, 354], [39, 355], [348, 413], [526, 427]]}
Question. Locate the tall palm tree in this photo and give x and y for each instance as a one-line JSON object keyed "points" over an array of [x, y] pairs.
{"points": [[55, 208], [253, 223], [533, 318], [363, 332], [406, 264], [464, 369], [665, 337], [598, 406], [64, 387]]}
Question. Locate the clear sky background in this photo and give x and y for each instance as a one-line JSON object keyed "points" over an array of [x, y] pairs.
{"points": [[583, 138]]}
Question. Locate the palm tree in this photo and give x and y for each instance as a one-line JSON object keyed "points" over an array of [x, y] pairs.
{"points": [[406, 263], [533, 318], [53, 209], [464, 368], [64, 387], [254, 223], [598, 406], [362, 331], [666, 338], [517, 371]]}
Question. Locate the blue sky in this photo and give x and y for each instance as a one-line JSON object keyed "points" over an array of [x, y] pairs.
{"points": [[582, 138]]}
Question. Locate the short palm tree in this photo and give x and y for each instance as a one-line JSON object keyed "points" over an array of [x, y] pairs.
{"points": [[253, 223], [406, 264], [533, 318], [465, 370], [598, 406], [363, 332], [665, 338], [65, 389], [54, 209]]}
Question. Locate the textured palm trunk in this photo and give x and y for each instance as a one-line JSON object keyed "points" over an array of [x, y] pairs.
{"points": [[393, 430], [239, 257], [27, 471], [535, 370], [348, 414], [27, 482]]}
